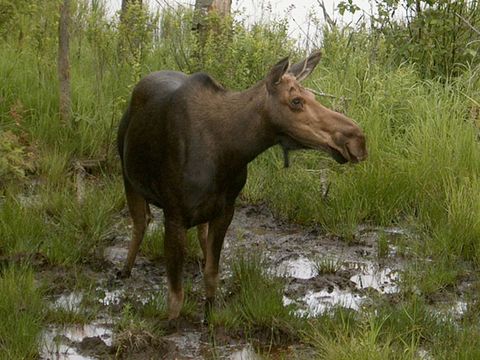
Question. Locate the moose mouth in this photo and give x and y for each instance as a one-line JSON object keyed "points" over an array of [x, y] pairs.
{"points": [[288, 144], [337, 155]]}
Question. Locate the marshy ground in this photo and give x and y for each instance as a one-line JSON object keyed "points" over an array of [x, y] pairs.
{"points": [[318, 275]]}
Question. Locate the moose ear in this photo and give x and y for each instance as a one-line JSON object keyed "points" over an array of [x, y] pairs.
{"points": [[303, 68], [276, 73]]}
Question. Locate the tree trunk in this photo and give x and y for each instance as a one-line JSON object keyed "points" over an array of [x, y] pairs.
{"points": [[65, 103], [204, 7], [130, 43]]}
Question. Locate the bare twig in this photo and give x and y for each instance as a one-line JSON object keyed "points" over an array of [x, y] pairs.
{"points": [[65, 101], [327, 17], [319, 93], [468, 24], [80, 174], [82, 168]]}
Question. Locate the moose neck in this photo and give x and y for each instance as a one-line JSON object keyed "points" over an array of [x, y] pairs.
{"points": [[248, 132]]}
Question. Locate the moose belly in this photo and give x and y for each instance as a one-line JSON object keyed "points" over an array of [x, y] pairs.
{"points": [[206, 210]]}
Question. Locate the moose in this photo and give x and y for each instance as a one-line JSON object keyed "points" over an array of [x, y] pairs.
{"points": [[185, 142]]}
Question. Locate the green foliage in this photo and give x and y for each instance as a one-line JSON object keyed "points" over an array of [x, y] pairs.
{"points": [[253, 51], [135, 30], [441, 38], [15, 159]]}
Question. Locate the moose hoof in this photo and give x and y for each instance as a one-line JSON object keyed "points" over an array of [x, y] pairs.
{"points": [[173, 325], [123, 274]]}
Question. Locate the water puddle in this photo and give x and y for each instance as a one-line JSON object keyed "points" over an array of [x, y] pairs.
{"points": [[300, 268], [338, 283], [111, 297], [188, 342], [247, 353], [384, 280], [451, 310], [319, 302], [70, 301], [116, 254], [70, 342]]}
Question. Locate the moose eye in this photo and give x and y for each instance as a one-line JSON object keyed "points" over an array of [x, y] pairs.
{"points": [[296, 103]]}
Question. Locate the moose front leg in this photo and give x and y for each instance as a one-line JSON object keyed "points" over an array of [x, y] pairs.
{"points": [[216, 234], [175, 249]]}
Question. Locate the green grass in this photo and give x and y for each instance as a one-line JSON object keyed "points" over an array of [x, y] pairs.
{"points": [[132, 333], [256, 304], [153, 244], [57, 225], [22, 312], [391, 331], [362, 343], [327, 265], [382, 246]]}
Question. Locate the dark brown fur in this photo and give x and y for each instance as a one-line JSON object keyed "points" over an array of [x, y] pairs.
{"points": [[185, 143]]}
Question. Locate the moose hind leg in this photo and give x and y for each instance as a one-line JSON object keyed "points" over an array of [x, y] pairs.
{"points": [[140, 214], [175, 250], [217, 230]]}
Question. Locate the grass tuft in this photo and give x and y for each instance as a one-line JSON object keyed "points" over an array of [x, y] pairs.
{"points": [[256, 305], [22, 314]]}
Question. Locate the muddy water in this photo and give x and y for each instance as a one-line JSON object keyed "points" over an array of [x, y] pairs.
{"points": [[320, 271]]}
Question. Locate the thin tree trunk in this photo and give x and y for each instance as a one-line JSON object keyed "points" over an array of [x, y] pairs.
{"points": [[65, 103], [204, 7], [125, 4], [129, 38]]}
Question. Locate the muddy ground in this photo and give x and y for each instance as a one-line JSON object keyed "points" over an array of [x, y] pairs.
{"points": [[321, 271]]}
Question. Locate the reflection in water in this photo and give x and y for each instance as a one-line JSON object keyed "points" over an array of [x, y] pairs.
{"points": [[247, 353], [301, 268], [366, 274], [372, 276], [319, 302], [57, 342]]}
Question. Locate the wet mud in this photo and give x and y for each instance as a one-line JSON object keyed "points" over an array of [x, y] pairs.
{"points": [[320, 272]]}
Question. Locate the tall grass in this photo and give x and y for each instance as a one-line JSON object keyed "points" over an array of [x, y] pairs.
{"points": [[423, 165], [21, 311], [56, 225]]}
